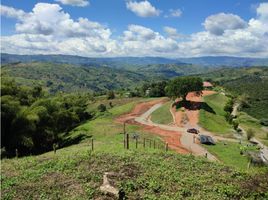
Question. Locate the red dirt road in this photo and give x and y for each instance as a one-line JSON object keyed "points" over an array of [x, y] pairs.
{"points": [[171, 137]]}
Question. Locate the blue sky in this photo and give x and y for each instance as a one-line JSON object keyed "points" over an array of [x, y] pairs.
{"points": [[169, 28]]}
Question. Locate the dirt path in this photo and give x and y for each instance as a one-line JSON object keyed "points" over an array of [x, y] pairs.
{"points": [[141, 114], [177, 137]]}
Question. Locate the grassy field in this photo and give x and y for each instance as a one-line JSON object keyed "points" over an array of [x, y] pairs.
{"points": [[215, 121], [76, 172], [247, 122], [229, 154], [162, 115]]}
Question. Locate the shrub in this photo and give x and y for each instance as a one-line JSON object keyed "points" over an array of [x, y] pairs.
{"points": [[102, 108], [264, 122], [250, 134], [235, 124], [110, 94]]}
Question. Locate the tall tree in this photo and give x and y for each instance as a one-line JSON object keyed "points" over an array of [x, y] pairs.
{"points": [[181, 86]]}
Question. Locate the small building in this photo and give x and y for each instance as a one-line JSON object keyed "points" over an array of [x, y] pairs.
{"points": [[207, 85]]}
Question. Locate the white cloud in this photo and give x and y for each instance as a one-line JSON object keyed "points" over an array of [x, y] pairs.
{"points": [[47, 29], [217, 24], [174, 13], [173, 33], [140, 40], [11, 12], [142, 8], [80, 3]]}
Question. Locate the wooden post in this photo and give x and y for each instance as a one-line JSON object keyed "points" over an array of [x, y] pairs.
{"points": [[17, 153], [136, 142], [154, 144], [206, 155], [92, 144], [127, 141], [54, 148], [124, 127], [166, 146], [124, 141], [144, 140]]}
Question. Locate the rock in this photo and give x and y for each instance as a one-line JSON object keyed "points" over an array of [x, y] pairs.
{"points": [[106, 187]]}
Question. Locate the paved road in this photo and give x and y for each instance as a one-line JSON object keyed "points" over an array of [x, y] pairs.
{"points": [[186, 139]]}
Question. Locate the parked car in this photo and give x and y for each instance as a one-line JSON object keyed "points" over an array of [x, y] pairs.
{"points": [[205, 139], [193, 130]]}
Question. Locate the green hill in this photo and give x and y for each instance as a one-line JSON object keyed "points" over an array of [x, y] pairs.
{"points": [[76, 172], [250, 82], [65, 77]]}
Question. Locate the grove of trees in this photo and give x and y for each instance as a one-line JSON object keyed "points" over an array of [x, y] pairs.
{"points": [[32, 121]]}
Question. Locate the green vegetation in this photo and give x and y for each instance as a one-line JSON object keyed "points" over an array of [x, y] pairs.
{"points": [[247, 122], [68, 78], [162, 115], [251, 82], [76, 173], [181, 86], [214, 119], [230, 153]]}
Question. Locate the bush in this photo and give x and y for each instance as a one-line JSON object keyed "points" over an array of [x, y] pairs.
{"points": [[110, 95], [250, 134], [235, 124], [102, 108], [264, 122]]}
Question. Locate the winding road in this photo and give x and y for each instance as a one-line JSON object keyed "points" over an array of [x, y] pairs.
{"points": [[186, 139]]}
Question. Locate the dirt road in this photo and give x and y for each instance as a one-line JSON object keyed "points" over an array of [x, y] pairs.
{"points": [[177, 137]]}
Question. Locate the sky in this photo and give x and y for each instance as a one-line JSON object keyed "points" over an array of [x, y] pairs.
{"points": [[111, 28]]}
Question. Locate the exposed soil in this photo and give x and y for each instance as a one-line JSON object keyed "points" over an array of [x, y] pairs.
{"points": [[139, 110], [191, 110], [171, 137]]}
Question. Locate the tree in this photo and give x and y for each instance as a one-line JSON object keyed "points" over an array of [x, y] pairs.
{"points": [[110, 94], [181, 86]]}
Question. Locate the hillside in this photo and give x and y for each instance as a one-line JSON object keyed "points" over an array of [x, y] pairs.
{"points": [[126, 62], [249, 82], [65, 77], [76, 172]]}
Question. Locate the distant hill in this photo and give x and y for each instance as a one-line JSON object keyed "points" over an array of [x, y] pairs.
{"points": [[220, 61], [132, 62], [117, 62], [251, 81], [69, 78]]}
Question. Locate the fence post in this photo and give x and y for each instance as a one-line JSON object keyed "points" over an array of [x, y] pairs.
{"points": [[92, 144], [166, 146], [144, 140], [136, 142], [17, 153], [54, 148], [124, 140], [127, 141], [154, 144]]}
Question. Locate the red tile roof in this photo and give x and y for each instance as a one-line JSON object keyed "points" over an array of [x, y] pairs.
{"points": [[207, 84]]}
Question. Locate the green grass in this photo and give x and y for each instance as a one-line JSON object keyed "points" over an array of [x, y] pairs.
{"points": [[230, 155], [247, 122], [215, 122], [75, 172], [162, 115]]}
